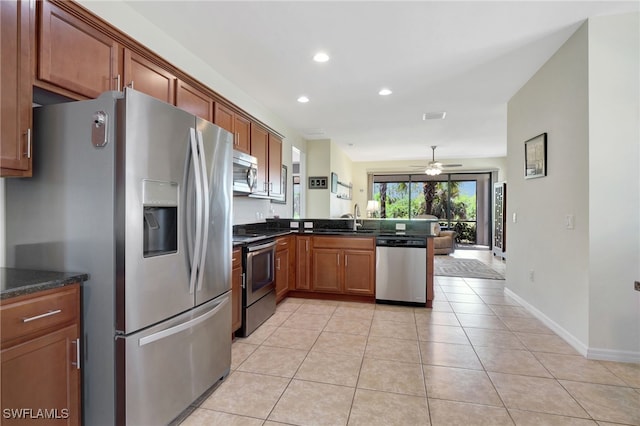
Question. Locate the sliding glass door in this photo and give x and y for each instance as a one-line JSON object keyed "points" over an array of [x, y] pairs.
{"points": [[459, 201]]}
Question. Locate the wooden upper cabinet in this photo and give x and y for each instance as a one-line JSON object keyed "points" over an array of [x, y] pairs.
{"points": [[73, 55], [275, 166], [235, 123], [260, 150], [145, 76], [17, 36], [223, 117], [242, 133], [194, 101]]}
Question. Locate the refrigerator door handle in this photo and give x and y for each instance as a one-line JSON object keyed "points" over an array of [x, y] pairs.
{"points": [[198, 243], [205, 217], [182, 327]]}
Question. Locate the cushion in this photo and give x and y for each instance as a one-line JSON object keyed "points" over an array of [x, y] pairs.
{"points": [[436, 229]]}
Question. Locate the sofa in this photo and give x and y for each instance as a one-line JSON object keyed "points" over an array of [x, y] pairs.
{"points": [[444, 242]]}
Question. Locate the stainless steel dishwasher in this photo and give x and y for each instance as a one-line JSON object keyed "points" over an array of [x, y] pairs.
{"points": [[401, 270]]}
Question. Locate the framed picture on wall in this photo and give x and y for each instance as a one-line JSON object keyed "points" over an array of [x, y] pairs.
{"points": [[535, 157]]}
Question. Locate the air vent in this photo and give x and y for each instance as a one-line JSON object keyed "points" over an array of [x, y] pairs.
{"points": [[317, 132], [434, 115]]}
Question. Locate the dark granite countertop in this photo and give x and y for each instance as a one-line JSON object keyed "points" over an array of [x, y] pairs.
{"points": [[17, 282]]}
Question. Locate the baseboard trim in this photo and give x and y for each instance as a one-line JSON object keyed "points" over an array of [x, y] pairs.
{"points": [[612, 355], [584, 350], [559, 330]]}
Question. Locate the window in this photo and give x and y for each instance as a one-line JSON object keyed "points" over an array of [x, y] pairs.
{"points": [[452, 198]]}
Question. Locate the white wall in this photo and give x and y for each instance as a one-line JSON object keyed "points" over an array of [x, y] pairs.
{"points": [[555, 101], [319, 164], [614, 186], [586, 99], [342, 165]]}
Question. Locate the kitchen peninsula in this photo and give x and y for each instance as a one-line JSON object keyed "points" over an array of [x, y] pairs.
{"points": [[333, 258]]}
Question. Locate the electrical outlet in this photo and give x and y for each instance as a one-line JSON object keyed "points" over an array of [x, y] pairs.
{"points": [[531, 275], [636, 285], [294, 225]]}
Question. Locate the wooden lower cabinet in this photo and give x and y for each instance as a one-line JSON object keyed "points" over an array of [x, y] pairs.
{"points": [[236, 290], [336, 265], [303, 263], [326, 268], [359, 272], [282, 274], [40, 357]]}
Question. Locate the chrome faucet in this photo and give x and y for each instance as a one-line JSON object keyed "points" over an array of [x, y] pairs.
{"points": [[356, 213]]}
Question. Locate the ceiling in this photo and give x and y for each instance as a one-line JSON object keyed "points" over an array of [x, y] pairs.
{"points": [[464, 58]]}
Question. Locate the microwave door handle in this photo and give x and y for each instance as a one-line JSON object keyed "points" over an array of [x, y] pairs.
{"points": [[205, 216], [198, 176]]}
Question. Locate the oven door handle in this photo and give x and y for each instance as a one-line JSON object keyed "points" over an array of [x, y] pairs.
{"points": [[265, 246]]}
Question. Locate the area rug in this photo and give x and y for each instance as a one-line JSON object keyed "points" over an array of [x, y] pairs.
{"points": [[447, 266]]}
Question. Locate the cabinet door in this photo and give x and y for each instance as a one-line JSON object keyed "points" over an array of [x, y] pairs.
{"points": [[194, 101], [223, 117], [275, 166], [260, 150], [359, 272], [282, 274], [242, 128], [303, 261], [74, 55], [17, 31], [42, 373], [236, 291], [326, 266], [147, 77]]}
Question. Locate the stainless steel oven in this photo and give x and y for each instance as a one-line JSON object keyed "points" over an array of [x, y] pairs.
{"points": [[259, 300]]}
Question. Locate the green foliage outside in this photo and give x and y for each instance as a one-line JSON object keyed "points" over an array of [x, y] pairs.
{"points": [[403, 200]]}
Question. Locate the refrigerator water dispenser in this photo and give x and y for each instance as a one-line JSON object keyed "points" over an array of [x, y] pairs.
{"points": [[160, 216]]}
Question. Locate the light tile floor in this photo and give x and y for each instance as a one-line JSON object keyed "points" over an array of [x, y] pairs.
{"points": [[483, 360]]}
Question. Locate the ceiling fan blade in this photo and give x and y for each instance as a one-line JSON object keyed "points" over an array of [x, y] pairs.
{"points": [[451, 165]]}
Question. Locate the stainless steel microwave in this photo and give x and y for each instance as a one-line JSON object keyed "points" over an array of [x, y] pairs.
{"points": [[245, 173]]}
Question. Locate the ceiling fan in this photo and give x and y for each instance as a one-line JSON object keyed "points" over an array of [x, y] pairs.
{"points": [[435, 167]]}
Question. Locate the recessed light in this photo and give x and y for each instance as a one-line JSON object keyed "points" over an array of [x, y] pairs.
{"points": [[385, 92], [303, 99], [321, 57]]}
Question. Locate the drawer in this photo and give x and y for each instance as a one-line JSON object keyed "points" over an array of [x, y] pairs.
{"points": [[346, 242], [32, 314], [236, 260], [283, 243]]}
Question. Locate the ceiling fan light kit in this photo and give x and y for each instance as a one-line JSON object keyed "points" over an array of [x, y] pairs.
{"points": [[434, 168]]}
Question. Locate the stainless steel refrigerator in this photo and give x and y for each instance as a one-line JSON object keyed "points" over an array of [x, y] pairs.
{"points": [[137, 193]]}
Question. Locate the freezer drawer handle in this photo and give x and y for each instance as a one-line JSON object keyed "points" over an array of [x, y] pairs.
{"points": [[182, 327], [46, 314]]}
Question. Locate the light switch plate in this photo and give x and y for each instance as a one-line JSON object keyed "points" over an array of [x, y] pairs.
{"points": [[294, 225], [308, 225], [401, 226]]}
